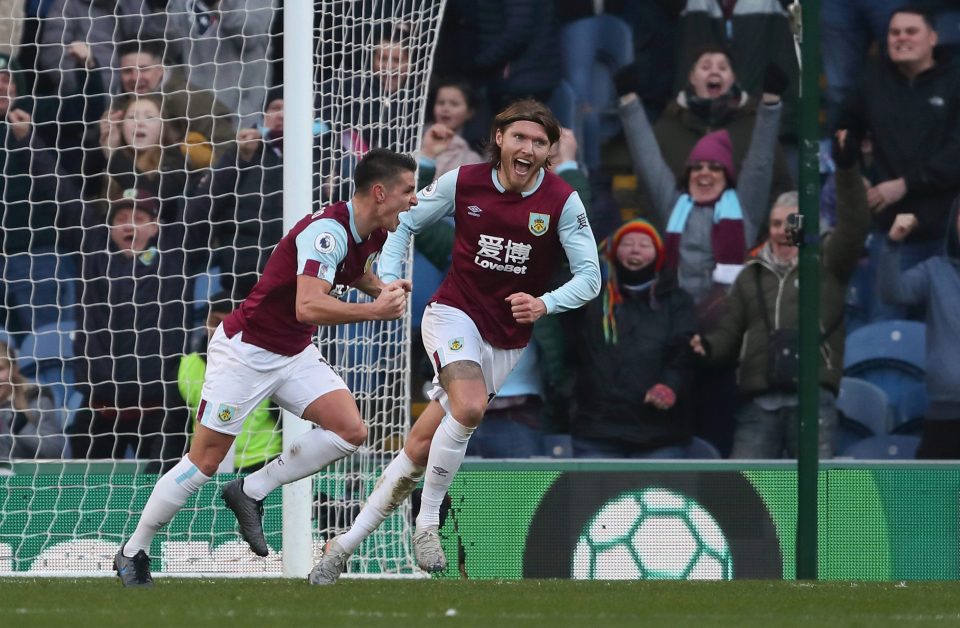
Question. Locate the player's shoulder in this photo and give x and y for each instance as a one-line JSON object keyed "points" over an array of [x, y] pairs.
{"points": [[557, 182], [337, 211]]}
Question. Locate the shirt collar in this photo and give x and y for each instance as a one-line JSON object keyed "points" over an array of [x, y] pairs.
{"points": [[501, 189], [353, 224]]}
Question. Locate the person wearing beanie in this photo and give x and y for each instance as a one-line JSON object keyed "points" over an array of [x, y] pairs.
{"points": [[713, 99], [761, 323], [633, 367], [712, 217]]}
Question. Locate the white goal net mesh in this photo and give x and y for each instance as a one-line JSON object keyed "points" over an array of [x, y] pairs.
{"points": [[142, 181]]}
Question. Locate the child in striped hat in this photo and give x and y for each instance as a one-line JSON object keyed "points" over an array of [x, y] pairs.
{"points": [[632, 364]]}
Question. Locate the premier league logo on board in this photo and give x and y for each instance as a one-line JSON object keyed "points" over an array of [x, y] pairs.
{"points": [[538, 224], [456, 344]]}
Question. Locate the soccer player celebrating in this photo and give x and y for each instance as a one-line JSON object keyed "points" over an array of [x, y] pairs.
{"points": [[265, 349], [514, 220]]}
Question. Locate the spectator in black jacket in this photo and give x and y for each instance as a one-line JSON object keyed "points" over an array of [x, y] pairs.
{"points": [[131, 334], [35, 198], [245, 202], [909, 105], [505, 48], [633, 366]]}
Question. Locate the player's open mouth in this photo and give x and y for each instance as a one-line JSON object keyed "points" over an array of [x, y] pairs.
{"points": [[714, 87], [522, 167]]}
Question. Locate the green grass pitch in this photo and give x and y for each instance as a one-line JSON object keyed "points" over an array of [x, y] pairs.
{"points": [[232, 603]]}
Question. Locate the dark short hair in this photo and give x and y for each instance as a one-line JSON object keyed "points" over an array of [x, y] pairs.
{"points": [[711, 49], [457, 83], [529, 110], [157, 48], [914, 10], [380, 165]]}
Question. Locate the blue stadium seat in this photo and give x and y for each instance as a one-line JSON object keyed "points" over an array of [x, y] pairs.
{"points": [[891, 355], [901, 343], [46, 356], [864, 403], [558, 445], [886, 447], [205, 286], [47, 347], [701, 449], [593, 49]]}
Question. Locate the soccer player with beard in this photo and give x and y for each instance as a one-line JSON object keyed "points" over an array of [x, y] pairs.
{"points": [[265, 349], [514, 221]]}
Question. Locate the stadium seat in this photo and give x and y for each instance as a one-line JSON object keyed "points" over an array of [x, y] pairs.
{"points": [[911, 427], [886, 447], [593, 49], [46, 348], [701, 449], [46, 356], [901, 343], [558, 445], [205, 286], [891, 355], [847, 433], [864, 403]]}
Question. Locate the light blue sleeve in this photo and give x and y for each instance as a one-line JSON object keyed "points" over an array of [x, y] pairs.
{"points": [[434, 202], [324, 242], [576, 236]]}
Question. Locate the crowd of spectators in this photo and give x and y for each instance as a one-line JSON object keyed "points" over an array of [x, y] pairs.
{"points": [[143, 148]]}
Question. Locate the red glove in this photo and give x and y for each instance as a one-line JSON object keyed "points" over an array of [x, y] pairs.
{"points": [[661, 397]]}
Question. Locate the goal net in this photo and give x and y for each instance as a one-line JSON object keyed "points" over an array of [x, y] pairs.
{"points": [[142, 178]]}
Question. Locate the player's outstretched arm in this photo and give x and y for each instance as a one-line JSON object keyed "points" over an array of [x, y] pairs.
{"points": [[315, 306]]}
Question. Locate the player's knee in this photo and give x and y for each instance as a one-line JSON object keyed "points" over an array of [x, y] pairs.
{"points": [[355, 433], [469, 411], [208, 464]]}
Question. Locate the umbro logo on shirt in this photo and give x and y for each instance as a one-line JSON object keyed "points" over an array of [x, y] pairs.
{"points": [[474, 211]]}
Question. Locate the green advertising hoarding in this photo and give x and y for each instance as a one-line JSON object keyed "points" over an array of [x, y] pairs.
{"points": [[558, 520]]}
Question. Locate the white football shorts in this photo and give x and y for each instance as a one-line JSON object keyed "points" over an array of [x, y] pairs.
{"points": [[240, 376], [449, 335]]}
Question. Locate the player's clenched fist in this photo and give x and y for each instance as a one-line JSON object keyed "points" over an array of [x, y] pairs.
{"points": [[526, 309], [391, 303]]}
